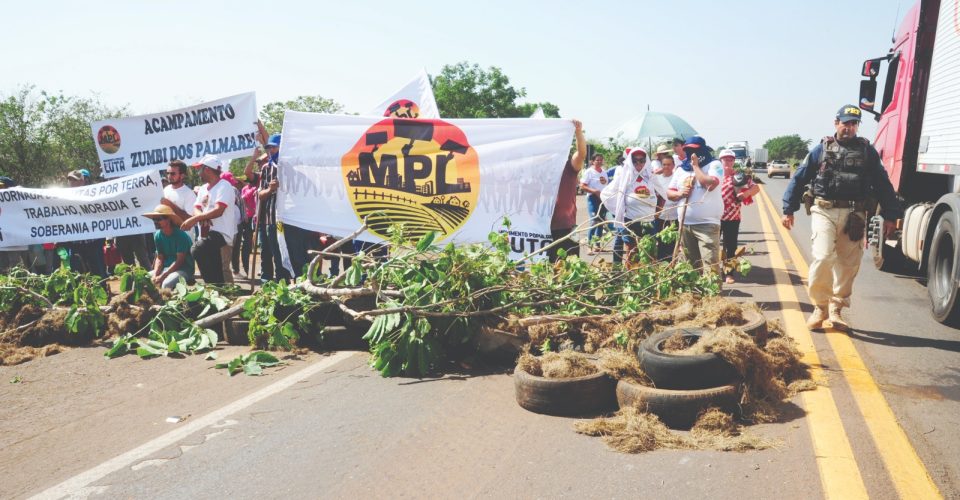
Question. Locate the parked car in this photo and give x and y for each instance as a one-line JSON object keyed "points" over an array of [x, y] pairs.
{"points": [[779, 167]]}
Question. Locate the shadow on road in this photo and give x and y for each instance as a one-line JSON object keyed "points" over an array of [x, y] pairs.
{"points": [[893, 339]]}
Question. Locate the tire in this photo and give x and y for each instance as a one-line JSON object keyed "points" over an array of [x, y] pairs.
{"points": [[676, 409], [568, 397], [887, 259], [940, 272], [672, 371], [756, 325]]}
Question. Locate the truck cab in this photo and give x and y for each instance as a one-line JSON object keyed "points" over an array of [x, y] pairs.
{"points": [[916, 139]]}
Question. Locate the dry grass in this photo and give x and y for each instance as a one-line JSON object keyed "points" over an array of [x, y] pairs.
{"points": [[622, 365], [632, 431], [565, 364], [530, 364], [11, 354]]}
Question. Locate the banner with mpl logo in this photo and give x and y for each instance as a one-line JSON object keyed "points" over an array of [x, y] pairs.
{"points": [[225, 127], [459, 178], [58, 215]]}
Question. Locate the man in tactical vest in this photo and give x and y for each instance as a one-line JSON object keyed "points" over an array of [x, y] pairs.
{"points": [[846, 181]]}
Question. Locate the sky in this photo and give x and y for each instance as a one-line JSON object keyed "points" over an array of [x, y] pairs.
{"points": [[735, 70]]}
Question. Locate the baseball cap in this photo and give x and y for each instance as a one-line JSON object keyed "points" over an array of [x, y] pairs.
{"points": [[211, 161], [695, 142], [727, 153], [849, 112], [6, 182], [79, 175], [274, 140]]}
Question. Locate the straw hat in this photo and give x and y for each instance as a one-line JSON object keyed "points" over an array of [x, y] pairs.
{"points": [[164, 211]]}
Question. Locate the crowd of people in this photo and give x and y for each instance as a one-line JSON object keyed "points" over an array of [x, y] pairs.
{"points": [[213, 228], [680, 183]]}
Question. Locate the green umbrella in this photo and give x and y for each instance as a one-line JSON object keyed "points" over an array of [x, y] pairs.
{"points": [[651, 128]]}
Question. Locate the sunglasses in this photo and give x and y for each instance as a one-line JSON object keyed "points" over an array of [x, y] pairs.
{"points": [[641, 159]]}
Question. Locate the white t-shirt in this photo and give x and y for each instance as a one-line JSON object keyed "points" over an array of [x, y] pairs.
{"points": [[183, 197], [705, 207], [660, 184], [222, 193], [595, 180]]}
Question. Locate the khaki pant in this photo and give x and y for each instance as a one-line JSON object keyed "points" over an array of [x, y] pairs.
{"points": [[226, 254], [836, 259], [701, 246]]}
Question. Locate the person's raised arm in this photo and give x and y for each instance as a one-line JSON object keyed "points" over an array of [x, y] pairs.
{"points": [[577, 158], [703, 178]]}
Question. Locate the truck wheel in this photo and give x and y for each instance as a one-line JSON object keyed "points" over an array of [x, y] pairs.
{"points": [[886, 258], [940, 272]]}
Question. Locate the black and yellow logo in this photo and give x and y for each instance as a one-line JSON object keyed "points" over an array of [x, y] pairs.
{"points": [[108, 139], [422, 174], [403, 108]]}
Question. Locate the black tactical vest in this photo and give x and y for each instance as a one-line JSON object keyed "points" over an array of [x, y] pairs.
{"points": [[843, 173]]}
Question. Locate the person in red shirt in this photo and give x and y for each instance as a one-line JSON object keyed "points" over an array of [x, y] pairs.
{"points": [[565, 211], [737, 189]]}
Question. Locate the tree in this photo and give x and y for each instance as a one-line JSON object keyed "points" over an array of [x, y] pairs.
{"points": [[43, 136], [463, 90], [787, 147], [550, 110], [611, 149], [272, 113]]}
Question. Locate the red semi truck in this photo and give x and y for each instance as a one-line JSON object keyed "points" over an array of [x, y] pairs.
{"points": [[918, 138]]}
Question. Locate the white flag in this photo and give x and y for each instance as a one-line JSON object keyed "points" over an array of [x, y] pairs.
{"points": [[225, 127], [414, 100], [456, 177], [538, 114]]}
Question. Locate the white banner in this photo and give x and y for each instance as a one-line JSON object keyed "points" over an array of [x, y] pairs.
{"points": [[414, 100], [457, 177], [225, 127], [112, 208]]}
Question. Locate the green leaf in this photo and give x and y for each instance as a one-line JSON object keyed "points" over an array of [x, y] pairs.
{"points": [[192, 296], [426, 240], [252, 369], [211, 356], [263, 357]]}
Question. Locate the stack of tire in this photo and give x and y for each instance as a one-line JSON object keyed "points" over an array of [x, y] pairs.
{"points": [[685, 385]]}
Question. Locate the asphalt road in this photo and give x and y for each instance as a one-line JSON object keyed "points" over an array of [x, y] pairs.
{"points": [[341, 431], [914, 360]]}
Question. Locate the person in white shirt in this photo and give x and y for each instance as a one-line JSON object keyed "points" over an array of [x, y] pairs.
{"points": [[695, 185], [593, 180], [177, 195], [214, 212], [667, 216], [632, 200]]}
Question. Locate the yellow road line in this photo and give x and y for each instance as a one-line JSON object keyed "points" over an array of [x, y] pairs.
{"points": [[839, 474], [908, 473]]}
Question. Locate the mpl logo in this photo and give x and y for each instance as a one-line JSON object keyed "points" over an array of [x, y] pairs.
{"points": [[422, 174], [108, 139], [403, 108]]}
